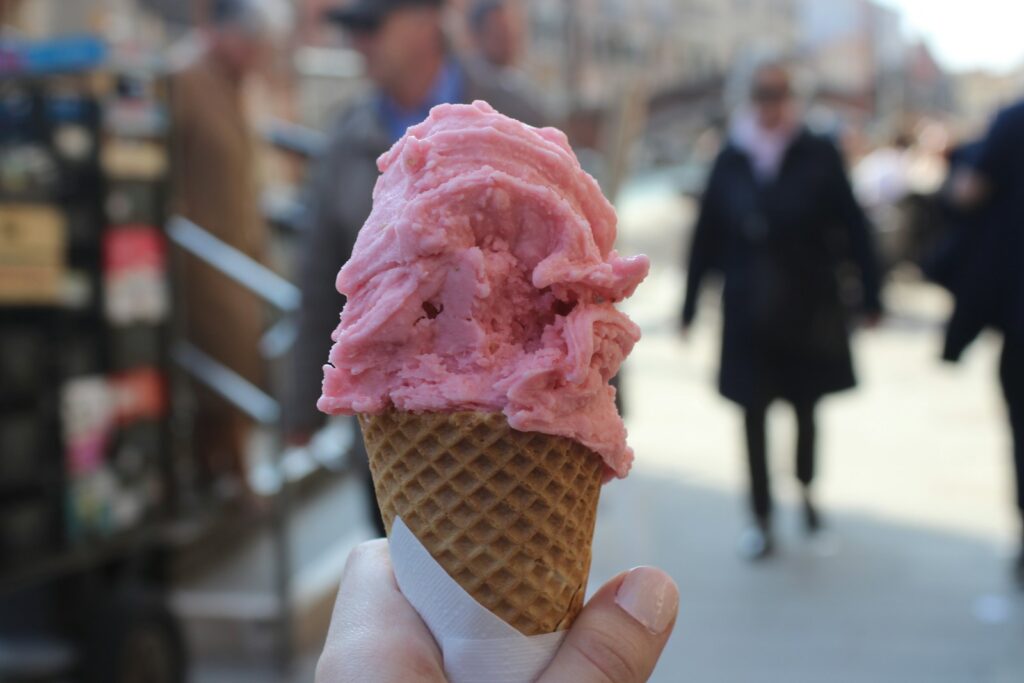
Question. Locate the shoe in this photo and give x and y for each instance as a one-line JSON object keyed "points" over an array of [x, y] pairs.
{"points": [[756, 542], [812, 520]]}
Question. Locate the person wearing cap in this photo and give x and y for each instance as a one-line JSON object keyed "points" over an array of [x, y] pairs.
{"points": [[411, 70], [215, 186]]}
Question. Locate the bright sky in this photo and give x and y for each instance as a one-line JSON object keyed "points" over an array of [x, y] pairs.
{"points": [[966, 34]]}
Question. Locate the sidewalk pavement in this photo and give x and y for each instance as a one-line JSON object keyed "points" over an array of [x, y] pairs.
{"points": [[909, 583]]}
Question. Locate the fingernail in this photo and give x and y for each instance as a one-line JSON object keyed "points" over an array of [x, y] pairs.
{"points": [[649, 596]]}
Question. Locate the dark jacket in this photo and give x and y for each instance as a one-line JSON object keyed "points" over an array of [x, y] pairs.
{"points": [[340, 198], [982, 263], [779, 246]]}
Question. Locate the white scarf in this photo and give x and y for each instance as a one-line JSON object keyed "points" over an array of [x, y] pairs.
{"points": [[765, 148]]}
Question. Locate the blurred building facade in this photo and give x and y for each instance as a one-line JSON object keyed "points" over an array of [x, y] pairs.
{"points": [[587, 51], [980, 93], [678, 56], [866, 70]]}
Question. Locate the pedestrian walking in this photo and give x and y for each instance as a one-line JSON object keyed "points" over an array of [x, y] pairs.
{"points": [[411, 70], [778, 220], [984, 270]]}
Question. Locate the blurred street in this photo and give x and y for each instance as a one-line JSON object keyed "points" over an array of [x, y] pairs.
{"points": [[180, 182], [910, 581]]}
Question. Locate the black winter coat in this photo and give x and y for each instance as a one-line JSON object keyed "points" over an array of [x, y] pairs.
{"points": [[780, 246], [982, 264]]}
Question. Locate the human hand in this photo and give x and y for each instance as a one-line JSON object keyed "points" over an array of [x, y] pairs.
{"points": [[376, 635]]}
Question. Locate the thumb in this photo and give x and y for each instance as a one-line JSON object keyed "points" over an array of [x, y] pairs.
{"points": [[620, 634]]}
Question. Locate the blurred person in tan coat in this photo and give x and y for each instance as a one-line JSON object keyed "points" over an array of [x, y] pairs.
{"points": [[216, 187]]}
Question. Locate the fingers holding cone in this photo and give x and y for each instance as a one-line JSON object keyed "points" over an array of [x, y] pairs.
{"points": [[621, 632]]}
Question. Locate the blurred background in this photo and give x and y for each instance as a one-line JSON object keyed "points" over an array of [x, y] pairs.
{"points": [[180, 181]]}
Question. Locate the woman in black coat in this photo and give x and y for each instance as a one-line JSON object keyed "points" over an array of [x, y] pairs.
{"points": [[778, 220]]}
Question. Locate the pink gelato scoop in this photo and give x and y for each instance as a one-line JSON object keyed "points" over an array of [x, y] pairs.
{"points": [[485, 279]]}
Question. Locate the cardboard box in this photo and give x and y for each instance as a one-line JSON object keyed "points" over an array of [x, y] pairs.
{"points": [[33, 254]]}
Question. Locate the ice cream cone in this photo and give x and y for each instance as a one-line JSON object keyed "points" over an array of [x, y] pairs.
{"points": [[508, 514]]}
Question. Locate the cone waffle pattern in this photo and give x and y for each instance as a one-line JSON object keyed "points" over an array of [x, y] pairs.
{"points": [[509, 515]]}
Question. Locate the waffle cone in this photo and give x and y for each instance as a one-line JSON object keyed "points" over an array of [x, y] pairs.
{"points": [[509, 515]]}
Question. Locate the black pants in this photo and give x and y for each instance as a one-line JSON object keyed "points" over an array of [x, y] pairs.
{"points": [[1011, 374], [757, 453]]}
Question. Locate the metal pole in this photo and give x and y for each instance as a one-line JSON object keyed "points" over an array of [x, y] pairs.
{"points": [[282, 561], [572, 55], [262, 408], [280, 522]]}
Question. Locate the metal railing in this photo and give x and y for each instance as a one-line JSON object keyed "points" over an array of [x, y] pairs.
{"points": [[252, 275], [263, 408]]}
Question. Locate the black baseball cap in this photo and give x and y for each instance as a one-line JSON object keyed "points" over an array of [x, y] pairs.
{"points": [[368, 14]]}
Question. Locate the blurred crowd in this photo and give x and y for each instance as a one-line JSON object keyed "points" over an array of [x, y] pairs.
{"points": [[801, 244], [801, 223], [781, 221], [411, 68]]}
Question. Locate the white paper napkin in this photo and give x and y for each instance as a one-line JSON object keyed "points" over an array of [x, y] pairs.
{"points": [[478, 646]]}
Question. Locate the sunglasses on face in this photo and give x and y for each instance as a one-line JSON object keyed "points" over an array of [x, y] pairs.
{"points": [[771, 94]]}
